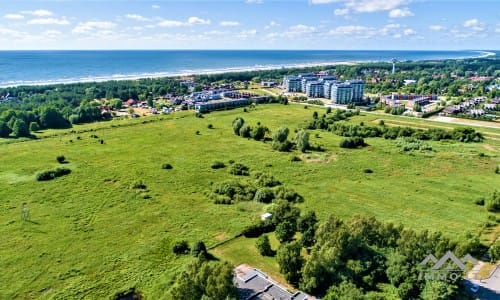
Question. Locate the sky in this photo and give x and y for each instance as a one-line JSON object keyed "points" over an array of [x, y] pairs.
{"points": [[250, 24]]}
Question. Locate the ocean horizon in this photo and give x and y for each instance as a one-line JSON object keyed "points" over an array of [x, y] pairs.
{"points": [[43, 67]]}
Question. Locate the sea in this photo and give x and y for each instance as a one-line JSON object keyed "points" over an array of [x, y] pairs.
{"points": [[51, 67]]}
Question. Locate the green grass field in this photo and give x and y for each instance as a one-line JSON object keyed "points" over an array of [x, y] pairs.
{"points": [[91, 235]]}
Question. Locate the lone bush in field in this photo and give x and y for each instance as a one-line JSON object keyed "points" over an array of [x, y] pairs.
{"points": [[61, 159], [493, 203], [51, 174], [181, 247], [237, 124], [217, 165], [280, 141], [167, 166], [302, 140]]}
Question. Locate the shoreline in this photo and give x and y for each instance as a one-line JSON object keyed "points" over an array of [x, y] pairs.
{"points": [[189, 73]]}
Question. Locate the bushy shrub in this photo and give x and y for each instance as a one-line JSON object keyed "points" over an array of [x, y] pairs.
{"points": [[295, 158], [210, 126], [264, 246], [138, 185], [217, 165], [51, 174], [368, 171], [266, 180], [256, 230], [167, 166], [288, 194], [61, 159], [493, 203], [245, 131], [230, 191], [353, 142], [181, 247], [199, 248], [264, 195], [239, 169]]}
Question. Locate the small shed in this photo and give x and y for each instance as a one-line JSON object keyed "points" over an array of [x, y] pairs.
{"points": [[266, 216]]}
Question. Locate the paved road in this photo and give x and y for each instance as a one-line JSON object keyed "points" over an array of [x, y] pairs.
{"points": [[488, 288]]}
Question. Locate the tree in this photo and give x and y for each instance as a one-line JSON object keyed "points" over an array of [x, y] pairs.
{"points": [[302, 140], [50, 117], [4, 129], [237, 124], [307, 221], [34, 126], [220, 283], [283, 210], [259, 132], [199, 248], [346, 290], [290, 261], [438, 290], [264, 246], [280, 141], [494, 251], [20, 128], [285, 231], [245, 131]]}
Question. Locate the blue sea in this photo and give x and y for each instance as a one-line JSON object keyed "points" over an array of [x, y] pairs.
{"points": [[47, 67]]}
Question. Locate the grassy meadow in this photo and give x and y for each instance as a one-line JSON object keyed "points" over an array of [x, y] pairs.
{"points": [[92, 235]]}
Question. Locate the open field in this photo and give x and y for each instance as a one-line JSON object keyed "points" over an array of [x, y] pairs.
{"points": [[91, 235]]}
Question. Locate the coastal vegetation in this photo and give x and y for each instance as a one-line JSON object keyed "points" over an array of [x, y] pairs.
{"points": [[31, 108]]}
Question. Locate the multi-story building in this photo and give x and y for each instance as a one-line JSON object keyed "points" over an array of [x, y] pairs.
{"points": [[307, 79], [315, 89], [327, 87], [341, 93], [358, 89], [292, 84]]}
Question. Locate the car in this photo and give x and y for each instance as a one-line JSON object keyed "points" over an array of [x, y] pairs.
{"points": [[474, 288]]}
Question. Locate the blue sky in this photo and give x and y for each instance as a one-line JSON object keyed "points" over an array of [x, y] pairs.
{"points": [[250, 24]]}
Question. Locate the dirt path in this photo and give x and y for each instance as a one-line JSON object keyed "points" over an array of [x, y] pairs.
{"points": [[460, 121]]}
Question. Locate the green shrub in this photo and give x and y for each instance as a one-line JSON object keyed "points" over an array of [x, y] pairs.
{"points": [[51, 174], [167, 166], [295, 158], [239, 169], [368, 171], [181, 247], [479, 201], [138, 185], [217, 165], [264, 195], [264, 246], [493, 203], [256, 230], [210, 126], [199, 248], [61, 159]]}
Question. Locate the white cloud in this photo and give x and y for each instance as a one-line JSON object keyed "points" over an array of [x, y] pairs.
{"points": [[254, 1], [365, 5], [409, 32], [437, 27], [155, 6], [87, 27], [302, 29], [354, 31], [48, 21], [198, 21], [272, 24], [325, 1], [400, 13], [397, 36], [498, 28], [38, 12], [244, 34], [136, 17], [474, 24], [229, 23], [171, 23], [471, 23], [389, 28], [10, 32], [14, 16], [52, 33], [341, 12]]}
